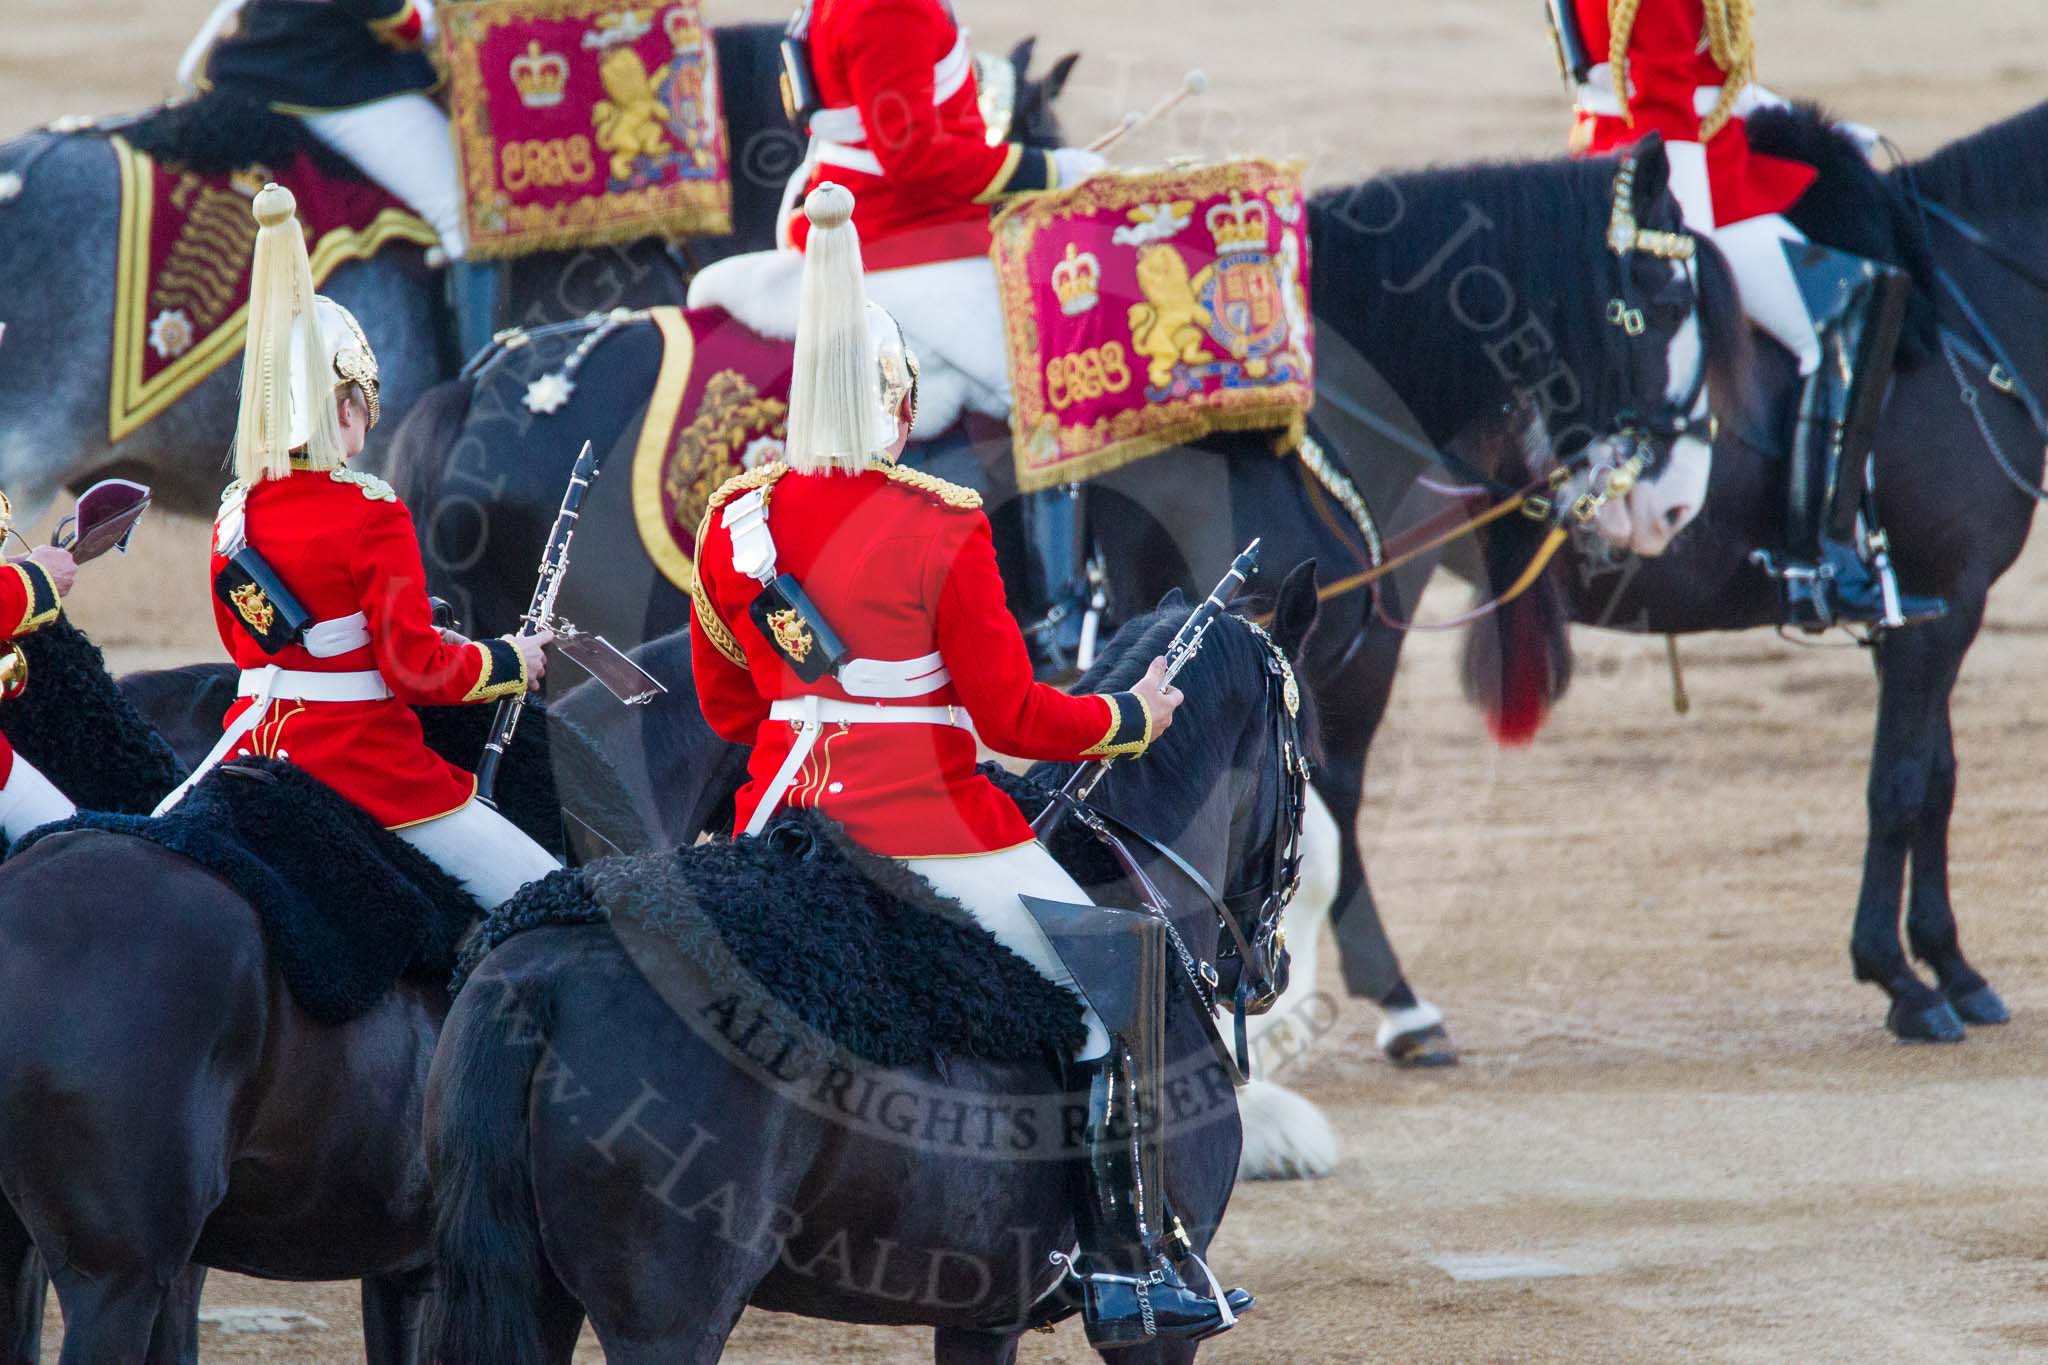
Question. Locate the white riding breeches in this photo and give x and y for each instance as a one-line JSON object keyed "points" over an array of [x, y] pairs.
{"points": [[29, 801], [488, 854], [988, 885], [1755, 253], [403, 143]]}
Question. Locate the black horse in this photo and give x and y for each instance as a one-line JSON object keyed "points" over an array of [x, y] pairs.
{"points": [[568, 1036], [1956, 498], [1445, 299], [195, 1112]]}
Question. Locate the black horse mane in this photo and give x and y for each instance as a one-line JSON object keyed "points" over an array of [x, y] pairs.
{"points": [[1546, 233], [1995, 168]]}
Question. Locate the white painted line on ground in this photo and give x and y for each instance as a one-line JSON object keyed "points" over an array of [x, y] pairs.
{"points": [[1500, 1268]]}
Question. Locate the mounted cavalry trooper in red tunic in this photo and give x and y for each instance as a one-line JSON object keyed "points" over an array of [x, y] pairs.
{"points": [[1685, 69], [892, 102], [320, 596], [31, 589], [356, 73], [850, 625]]}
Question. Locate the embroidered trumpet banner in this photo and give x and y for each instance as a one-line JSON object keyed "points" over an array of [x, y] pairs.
{"points": [[720, 405], [580, 123], [181, 268], [1147, 310]]}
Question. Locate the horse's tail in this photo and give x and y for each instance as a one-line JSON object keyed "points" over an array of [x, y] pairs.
{"points": [[1518, 659], [487, 1241]]}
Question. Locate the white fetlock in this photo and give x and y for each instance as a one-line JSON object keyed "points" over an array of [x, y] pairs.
{"points": [[1407, 1022]]}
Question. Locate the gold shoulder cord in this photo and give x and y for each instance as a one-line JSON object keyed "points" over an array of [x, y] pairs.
{"points": [[369, 485], [951, 494], [1728, 38], [760, 476]]}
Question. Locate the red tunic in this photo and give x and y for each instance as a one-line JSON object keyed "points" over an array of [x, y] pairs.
{"points": [[28, 602], [901, 564], [343, 543], [1669, 59], [939, 173]]}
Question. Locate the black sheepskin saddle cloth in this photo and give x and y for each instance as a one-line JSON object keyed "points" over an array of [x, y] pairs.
{"points": [[347, 907], [802, 922]]}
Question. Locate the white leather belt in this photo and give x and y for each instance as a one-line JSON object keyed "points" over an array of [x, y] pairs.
{"points": [[894, 677], [271, 683], [811, 714], [1596, 96], [326, 639]]}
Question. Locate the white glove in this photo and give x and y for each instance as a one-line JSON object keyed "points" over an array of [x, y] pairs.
{"points": [[1072, 165]]}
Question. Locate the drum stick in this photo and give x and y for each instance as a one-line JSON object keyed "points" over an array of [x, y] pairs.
{"points": [[1195, 82]]}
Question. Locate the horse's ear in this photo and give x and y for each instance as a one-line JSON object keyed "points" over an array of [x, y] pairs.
{"points": [[1020, 57], [1056, 79], [1653, 171], [1174, 599], [1294, 615]]}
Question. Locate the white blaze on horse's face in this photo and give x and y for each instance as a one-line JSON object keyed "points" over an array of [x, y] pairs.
{"points": [[1656, 510]]}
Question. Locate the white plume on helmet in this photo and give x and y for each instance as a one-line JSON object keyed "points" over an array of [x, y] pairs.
{"points": [[852, 369], [302, 347]]}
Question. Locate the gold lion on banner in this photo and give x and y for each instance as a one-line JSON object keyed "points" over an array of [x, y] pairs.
{"points": [[632, 123], [1169, 326]]}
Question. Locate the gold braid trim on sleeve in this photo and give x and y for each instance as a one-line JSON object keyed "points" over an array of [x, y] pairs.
{"points": [[951, 494], [1130, 727], [41, 590], [503, 674], [701, 610]]}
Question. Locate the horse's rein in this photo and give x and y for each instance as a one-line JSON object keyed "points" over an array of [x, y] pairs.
{"points": [[1199, 979]]}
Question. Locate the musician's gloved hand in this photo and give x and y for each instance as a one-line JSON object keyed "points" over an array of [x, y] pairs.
{"points": [[530, 648], [1074, 164], [62, 568], [1159, 697]]}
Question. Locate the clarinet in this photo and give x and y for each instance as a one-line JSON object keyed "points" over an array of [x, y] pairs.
{"points": [[1186, 641], [554, 564]]}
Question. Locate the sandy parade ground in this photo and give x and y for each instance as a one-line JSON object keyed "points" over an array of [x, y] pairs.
{"points": [[1679, 1131]]}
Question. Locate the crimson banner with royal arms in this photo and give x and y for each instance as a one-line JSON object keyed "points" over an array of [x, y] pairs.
{"points": [[580, 123], [1145, 310]]}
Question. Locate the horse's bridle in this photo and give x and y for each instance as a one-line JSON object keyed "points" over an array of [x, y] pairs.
{"points": [[1252, 946], [1645, 442]]}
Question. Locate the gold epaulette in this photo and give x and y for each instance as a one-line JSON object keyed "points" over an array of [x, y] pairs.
{"points": [[760, 476], [951, 494], [369, 485]]}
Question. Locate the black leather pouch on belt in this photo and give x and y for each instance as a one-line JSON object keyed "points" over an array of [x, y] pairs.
{"points": [[797, 630], [260, 601]]}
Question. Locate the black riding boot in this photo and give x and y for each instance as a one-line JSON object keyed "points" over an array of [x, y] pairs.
{"points": [[1837, 571], [1058, 591], [1131, 1288]]}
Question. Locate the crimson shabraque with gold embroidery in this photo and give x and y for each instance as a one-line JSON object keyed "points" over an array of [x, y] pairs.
{"points": [[581, 122], [181, 269], [1146, 310]]}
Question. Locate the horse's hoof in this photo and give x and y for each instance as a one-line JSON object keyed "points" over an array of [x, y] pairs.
{"points": [[1936, 1023], [1980, 1005], [1415, 1037]]}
